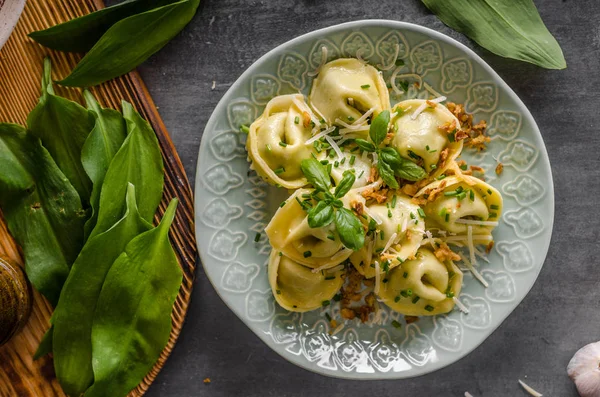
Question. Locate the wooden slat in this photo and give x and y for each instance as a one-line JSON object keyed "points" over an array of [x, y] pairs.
{"points": [[20, 74]]}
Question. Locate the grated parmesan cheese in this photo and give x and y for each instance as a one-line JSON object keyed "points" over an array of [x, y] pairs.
{"points": [[335, 147], [471, 245], [474, 271], [460, 305], [375, 218], [375, 158], [373, 186], [478, 223], [321, 63], [389, 243], [423, 106], [481, 255], [453, 238], [431, 90], [339, 254], [338, 329], [529, 389], [377, 278], [467, 394], [363, 118], [320, 135], [335, 269], [404, 224], [351, 127]]}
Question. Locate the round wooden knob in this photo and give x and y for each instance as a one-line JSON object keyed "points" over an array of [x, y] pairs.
{"points": [[15, 299]]}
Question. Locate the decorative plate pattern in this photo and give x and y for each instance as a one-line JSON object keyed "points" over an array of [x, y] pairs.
{"points": [[233, 205]]}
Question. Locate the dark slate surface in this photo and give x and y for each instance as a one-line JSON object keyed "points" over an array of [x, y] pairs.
{"points": [[535, 343]]}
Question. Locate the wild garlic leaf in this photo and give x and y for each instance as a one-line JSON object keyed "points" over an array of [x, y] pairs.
{"points": [[379, 127], [345, 184], [387, 174], [63, 126], [509, 28], [316, 174], [130, 42], [365, 145], [351, 231], [80, 34], [42, 209], [138, 162], [320, 215], [99, 149], [74, 314], [132, 321]]}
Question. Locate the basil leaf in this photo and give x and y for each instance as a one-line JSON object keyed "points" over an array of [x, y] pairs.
{"points": [[402, 167], [80, 34], [345, 184], [320, 215], [138, 162], [43, 211], [132, 321], [351, 231], [390, 156], [379, 127], [130, 42], [387, 174], [63, 126], [316, 174], [74, 314], [509, 28], [365, 145], [99, 149]]}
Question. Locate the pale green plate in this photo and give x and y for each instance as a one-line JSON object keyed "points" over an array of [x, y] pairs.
{"points": [[233, 205]]}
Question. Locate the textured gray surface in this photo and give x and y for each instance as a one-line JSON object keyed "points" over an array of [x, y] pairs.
{"points": [[535, 343]]}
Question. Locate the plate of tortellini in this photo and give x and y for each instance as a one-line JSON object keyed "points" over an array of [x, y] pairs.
{"points": [[372, 200]]}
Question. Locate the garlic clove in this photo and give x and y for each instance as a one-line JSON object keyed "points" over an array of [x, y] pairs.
{"points": [[584, 370]]}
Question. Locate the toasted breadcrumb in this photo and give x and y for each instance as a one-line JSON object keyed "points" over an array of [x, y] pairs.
{"points": [[305, 119], [499, 168], [474, 135], [476, 168], [489, 247], [431, 104], [444, 253], [206, 381], [411, 319], [373, 176], [358, 207], [380, 195]]}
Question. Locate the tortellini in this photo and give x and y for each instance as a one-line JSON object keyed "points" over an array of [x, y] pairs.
{"points": [[297, 288], [290, 233], [346, 89], [276, 142], [399, 219], [349, 161], [464, 201], [424, 136], [424, 286]]}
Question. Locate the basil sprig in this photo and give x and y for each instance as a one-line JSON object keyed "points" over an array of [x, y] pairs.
{"points": [[329, 207], [389, 162]]}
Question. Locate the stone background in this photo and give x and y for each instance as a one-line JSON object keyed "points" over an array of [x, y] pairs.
{"points": [[535, 343]]}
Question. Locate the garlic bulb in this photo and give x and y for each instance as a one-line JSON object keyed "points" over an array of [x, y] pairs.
{"points": [[584, 370]]}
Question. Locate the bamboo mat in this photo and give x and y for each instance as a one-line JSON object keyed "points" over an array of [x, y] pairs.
{"points": [[20, 76]]}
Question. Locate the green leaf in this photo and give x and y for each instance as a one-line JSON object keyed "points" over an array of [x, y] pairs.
{"points": [[132, 321], [387, 174], [74, 314], [45, 346], [379, 127], [351, 231], [138, 162], [80, 34], [316, 174], [99, 149], [509, 28], [402, 167], [63, 127], [365, 145], [320, 215], [42, 209], [130, 42], [345, 184]]}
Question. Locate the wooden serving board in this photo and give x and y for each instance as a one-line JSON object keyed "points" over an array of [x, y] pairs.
{"points": [[20, 76]]}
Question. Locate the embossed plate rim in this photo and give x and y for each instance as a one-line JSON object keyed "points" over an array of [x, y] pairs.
{"points": [[254, 69]]}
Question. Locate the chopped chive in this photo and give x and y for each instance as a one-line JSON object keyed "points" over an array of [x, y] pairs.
{"points": [[421, 212], [268, 147], [279, 170], [447, 217], [385, 280], [331, 237], [350, 118], [379, 250], [396, 324], [399, 62], [396, 299], [409, 292], [494, 207], [399, 229], [297, 120], [416, 299], [489, 192], [283, 144], [472, 195], [330, 278], [452, 193], [372, 265], [331, 155], [324, 162], [427, 147], [352, 160], [413, 155], [354, 149], [449, 293], [365, 87], [452, 136], [278, 292], [295, 307], [336, 164], [405, 275], [442, 176], [337, 297], [459, 189], [282, 204], [361, 174], [244, 129], [328, 317], [443, 212], [404, 293], [329, 168], [412, 216], [404, 85], [257, 237], [460, 196], [386, 266], [394, 199], [493, 215], [429, 308], [281, 254], [382, 235], [389, 213], [312, 124], [343, 161], [451, 274], [464, 167], [325, 303]]}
